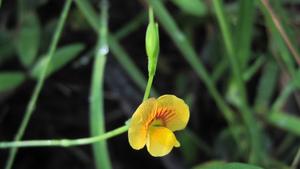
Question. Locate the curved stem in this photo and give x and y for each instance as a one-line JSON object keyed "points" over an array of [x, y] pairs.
{"points": [[64, 142]]}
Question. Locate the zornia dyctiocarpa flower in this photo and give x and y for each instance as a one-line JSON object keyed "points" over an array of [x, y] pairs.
{"points": [[154, 122]]}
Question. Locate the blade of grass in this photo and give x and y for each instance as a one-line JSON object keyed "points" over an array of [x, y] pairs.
{"points": [[252, 69], [32, 102], [278, 41], [190, 55], [285, 93], [123, 58], [97, 118], [266, 87], [244, 31], [254, 132], [296, 160], [280, 29], [285, 121]]}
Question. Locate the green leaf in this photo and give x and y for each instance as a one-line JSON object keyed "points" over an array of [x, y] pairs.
{"points": [[239, 166], [285, 121], [28, 39], [244, 31], [210, 165], [10, 80], [60, 58], [221, 165], [192, 7], [7, 47], [266, 87]]}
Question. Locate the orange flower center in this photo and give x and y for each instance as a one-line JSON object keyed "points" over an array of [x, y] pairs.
{"points": [[162, 116]]}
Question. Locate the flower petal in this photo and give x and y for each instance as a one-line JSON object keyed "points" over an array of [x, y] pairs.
{"points": [[160, 141], [176, 111], [138, 128]]}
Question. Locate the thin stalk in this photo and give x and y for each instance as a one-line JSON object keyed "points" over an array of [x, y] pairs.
{"points": [[97, 118], [32, 103], [124, 59], [244, 31], [296, 160], [266, 87], [252, 69], [148, 88], [190, 55], [248, 117], [286, 92], [64, 142], [281, 30], [118, 51], [279, 49]]}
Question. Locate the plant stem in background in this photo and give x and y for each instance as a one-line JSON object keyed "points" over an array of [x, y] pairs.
{"points": [[97, 118], [31, 105], [296, 160], [118, 51], [248, 117], [244, 31], [281, 30], [64, 142]]}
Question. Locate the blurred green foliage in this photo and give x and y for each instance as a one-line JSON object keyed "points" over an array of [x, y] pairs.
{"points": [[61, 57], [244, 63], [10, 80]]}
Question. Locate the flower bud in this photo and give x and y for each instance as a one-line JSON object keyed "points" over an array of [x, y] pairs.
{"points": [[152, 43]]}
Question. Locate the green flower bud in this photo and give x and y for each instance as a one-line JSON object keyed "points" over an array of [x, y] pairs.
{"points": [[152, 43]]}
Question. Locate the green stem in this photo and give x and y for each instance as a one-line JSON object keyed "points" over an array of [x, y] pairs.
{"points": [[148, 88], [286, 92], [64, 142], [117, 50], [252, 69], [244, 31], [97, 118], [296, 160], [248, 117], [31, 105]]}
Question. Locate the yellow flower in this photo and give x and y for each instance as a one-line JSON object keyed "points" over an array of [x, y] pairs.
{"points": [[154, 122]]}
